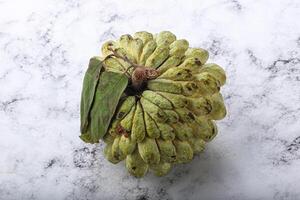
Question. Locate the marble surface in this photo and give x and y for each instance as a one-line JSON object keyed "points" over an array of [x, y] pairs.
{"points": [[44, 50]]}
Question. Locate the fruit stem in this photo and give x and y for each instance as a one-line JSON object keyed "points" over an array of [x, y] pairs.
{"points": [[140, 73]]}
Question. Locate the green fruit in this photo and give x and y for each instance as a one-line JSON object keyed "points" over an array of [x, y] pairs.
{"points": [[126, 145], [200, 54], [126, 122], [138, 125], [107, 46], [190, 88], [124, 53], [177, 74], [167, 150], [171, 62], [148, 49], [183, 131], [166, 131], [178, 47], [207, 84], [135, 164], [207, 129], [149, 151], [108, 154], [132, 47], [126, 107], [154, 111], [136, 48], [159, 55], [197, 144], [115, 150], [157, 99], [200, 106], [172, 116], [185, 115], [113, 127], [151, 127], [163, 85], [193, 64], [218, 108], [167, 102], [178, 101], [216, 71], [184, 151], [165, 38], [144, 36]]}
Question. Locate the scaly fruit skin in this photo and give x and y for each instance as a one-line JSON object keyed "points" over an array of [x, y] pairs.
{"points": [[138, 131], [184, 151], [151, 126], [169, 117], [167, 150], [159, 55], [126, 145], [157, 99], [149, 151], [135, 164]]}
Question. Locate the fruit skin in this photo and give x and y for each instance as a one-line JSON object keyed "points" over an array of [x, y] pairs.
{"points": [[184, 151], [218, 111], [138, 125], [126, 145], [144, 36], [164, 85], [157, 99], [147, 51], [167, 150], [183, 131], [106, 47], [216, 71], [159, 55], [178, 101], [177, 74], [207, 129], [153, 110], [108, 154], [201, 54], [172, 117], [166, 131], [115, 150], [191, 63], [126, 122], [178, 47], [165, 38], [200, 106], [169, 63], [125, 107], [151, 127], [197, 144], [135, 165], [149, 151]]}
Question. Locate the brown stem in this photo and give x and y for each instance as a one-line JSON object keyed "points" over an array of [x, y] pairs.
{"points": [[140, 73]]}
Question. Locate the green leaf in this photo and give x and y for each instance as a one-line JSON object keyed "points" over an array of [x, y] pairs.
{"points": [[90, 82], [109, 90]]}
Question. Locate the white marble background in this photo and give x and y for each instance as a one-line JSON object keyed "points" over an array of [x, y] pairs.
{"points": [[45, 46]]}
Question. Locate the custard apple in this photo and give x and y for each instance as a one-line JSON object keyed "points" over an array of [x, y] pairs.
{"points": [[165, 112]]}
